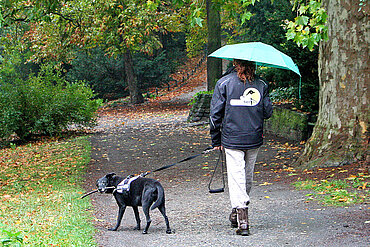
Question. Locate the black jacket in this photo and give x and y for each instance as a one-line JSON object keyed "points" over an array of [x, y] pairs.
{"points": [[238, 111]]}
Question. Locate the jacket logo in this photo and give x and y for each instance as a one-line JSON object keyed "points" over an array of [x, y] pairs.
{"points": [[250, 97]]}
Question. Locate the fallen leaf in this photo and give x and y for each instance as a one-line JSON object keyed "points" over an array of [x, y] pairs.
{"points": [[364, 186], [265, 183]]}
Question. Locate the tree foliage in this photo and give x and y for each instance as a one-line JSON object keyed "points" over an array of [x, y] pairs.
{"points": [[196, 30], [309, 27], [136, 24], [58, 28], [106, 73]]}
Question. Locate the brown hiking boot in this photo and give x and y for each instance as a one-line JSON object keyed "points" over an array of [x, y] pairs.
{"points": [[233, 218], [243, 226]]}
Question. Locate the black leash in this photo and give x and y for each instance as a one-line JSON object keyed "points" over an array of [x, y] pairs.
{"points": [[207, 150], [220, 190]]}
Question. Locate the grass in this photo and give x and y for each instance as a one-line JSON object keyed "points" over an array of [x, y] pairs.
{"points": [[40, 193], [337, 192]]}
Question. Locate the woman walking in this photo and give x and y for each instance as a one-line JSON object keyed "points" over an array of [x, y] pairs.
{"points": [[239, 105]]}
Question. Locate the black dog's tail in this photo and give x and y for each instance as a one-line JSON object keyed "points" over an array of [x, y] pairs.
{"points": [[160, 196]]}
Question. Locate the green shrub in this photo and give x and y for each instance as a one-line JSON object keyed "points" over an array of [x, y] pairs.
{"points": [[309, 101], [44, 104], [152, 71], [283, 94], [103, 73], [196, 96]]}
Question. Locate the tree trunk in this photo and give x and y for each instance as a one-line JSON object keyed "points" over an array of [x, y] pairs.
{"points": [[135, 95], [341, 134], [214, 65]]}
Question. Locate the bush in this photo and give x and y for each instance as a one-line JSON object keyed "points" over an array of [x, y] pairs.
{"points": [[152, 71], [310, 98], [196, 96], [283, 94], [44, 104], [103, 73]]}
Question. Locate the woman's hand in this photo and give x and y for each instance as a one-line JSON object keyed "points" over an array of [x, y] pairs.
{"points": [[218, 148]]}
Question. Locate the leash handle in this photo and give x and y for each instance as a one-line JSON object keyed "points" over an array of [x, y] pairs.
{"points": [[220, 190], [217, 190]]}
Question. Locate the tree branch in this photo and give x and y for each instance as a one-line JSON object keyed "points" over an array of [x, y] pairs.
{"points": [[71, 20]]}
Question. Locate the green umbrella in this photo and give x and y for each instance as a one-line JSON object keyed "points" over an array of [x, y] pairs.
{"points": [[262, 54]]}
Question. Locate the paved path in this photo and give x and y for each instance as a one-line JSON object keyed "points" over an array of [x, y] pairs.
{"points": [[279, 215]]}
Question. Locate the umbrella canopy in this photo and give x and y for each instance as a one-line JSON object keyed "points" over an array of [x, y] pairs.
{"points": [[262, 54]]}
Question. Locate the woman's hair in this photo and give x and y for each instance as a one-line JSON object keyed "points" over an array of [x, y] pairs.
{"points": [[245, 70]]}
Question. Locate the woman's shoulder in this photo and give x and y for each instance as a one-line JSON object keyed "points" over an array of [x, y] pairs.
{"points": [[260, 80], [230, 76], [229, 71], [224, 80]]}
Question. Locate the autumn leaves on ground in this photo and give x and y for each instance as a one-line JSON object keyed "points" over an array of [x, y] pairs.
{"points": [[41, 180], [40, 185]]}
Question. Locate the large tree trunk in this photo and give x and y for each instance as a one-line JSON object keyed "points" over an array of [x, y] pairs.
{"points": [[341, 134], [135, 95], [214, 65]]}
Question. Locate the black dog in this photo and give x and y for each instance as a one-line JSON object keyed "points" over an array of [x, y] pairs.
{"points": [[142, 192]]}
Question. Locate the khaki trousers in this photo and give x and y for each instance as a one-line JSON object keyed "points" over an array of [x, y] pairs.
{"points": [[240, 169]]}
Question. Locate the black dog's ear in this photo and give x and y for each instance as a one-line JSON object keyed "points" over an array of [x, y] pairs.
{"points": [[109, 175]]}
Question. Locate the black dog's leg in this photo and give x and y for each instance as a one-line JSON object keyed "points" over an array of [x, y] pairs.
{"points": [[162, 209], [137, 217], [147, 201], [147, 216], [121, 211]]}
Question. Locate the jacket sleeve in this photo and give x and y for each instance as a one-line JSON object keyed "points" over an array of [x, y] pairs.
{"points": [[217, 114], [267, 105]]}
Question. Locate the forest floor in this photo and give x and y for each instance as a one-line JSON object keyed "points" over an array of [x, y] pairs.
{"points": [[133, 139]]}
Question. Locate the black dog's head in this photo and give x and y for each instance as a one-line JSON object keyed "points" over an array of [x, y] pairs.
{"points": [[105, 182]]}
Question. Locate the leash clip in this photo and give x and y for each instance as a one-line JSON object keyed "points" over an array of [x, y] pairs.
{"points": [[144, 174]]}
